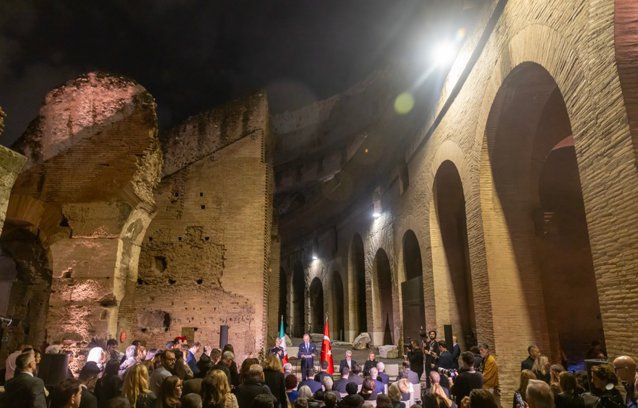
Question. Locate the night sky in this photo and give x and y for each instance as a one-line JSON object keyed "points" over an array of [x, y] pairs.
{"points": [[192, 55]]}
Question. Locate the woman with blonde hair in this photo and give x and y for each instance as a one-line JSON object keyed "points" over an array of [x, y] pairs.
{"points": [[526, 375], [136, 389], [541, 368], [216, 391]]}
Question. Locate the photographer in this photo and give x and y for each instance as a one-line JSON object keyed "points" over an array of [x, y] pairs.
{"points": [[445, 357], [468, 379]]}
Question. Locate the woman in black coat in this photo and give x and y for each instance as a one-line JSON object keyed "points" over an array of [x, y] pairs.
{"points": [[274, 379]]}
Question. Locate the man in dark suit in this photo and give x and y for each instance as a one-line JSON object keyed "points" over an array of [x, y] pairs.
{"points": [[306, 353], [347, 362], [313, 384], [340, 384], [25, 390], [534, 352], [445, 357], [456, 352]]}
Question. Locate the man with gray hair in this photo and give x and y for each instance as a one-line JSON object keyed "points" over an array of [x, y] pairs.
{"points": [[383, 377], [347, 362], [25, 390], [224, 364], [379, 387], [539, 395]]}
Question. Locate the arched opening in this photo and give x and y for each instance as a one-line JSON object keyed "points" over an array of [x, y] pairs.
{"points": [[357, 288], [412, 288], [449, 204], [283, 292], [338, 302], [536, 232], [315, 293], [382, 300], [298, 299]]}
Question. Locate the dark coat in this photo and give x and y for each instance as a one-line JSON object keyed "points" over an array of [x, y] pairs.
{"points": [[88, 399], [446, 360], [351, 401], [247, 392], [456, 353], [340, 385], [312, 384], [319, 377], [384, 378], [275, 381], [527, 364], [368, 365], [24, 390], [344, 363]]}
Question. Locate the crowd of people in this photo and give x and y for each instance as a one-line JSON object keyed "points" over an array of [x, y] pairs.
{"points": [[433, 375]]}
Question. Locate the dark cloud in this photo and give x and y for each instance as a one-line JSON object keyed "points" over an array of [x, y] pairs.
{"points": [[192, 55]]}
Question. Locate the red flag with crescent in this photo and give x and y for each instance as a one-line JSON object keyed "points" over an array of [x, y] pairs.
{"points": [[326, 349]]}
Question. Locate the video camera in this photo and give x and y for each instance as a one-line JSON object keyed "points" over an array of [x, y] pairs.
{"points": [[450, 373]]}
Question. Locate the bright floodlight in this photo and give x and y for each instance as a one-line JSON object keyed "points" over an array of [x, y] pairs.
{"points": [[315, 257], [444, 53], [376, 214]]}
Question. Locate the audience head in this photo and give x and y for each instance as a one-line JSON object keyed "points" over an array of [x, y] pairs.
{"points": [[228, 357], [582, 381], [288, 368], [264, 401], [135, 382], [484, 350], [567, 382], [368, 386], [625, 367], [345, 372], [352, 388], [435, 377], [330, 399], [170, 391], [480, 398], [168, 359], [111, 344], [539, 395], [112, 367], [348, 354], [541, 364], [404, 385], [371, 356], [229, 347], [301, 402], [602, 375], [468, 359], [89, 373], [442, 345], [25, 362], [256, 373], [273, 363], [192, 400], [383, 401], [324, 365], [533, 351], [305, 392], [215, 355], [555, 370], [291, 382], [526, 375], [394, 392], [374, 373], [215, 388], [318, 396], [380, 367], [327, 383], [204, 364], [310, 372], [67, 394]]}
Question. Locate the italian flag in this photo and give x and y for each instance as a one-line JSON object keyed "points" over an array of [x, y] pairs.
{"points": [[282, 336], [326, 349]]}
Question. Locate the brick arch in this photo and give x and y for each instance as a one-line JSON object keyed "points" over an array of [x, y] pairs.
{"points": [[411, 270], [383, 299], [451, 267], [356, 287]]}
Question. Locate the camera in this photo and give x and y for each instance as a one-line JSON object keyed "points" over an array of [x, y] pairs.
{"points": [[450, 373]]}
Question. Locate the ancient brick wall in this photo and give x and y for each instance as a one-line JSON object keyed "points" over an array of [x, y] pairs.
{"points": [[205, 258]]}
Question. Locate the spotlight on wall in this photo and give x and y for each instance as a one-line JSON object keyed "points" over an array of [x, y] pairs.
{"points": [[444, 53], [376, 215]]}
